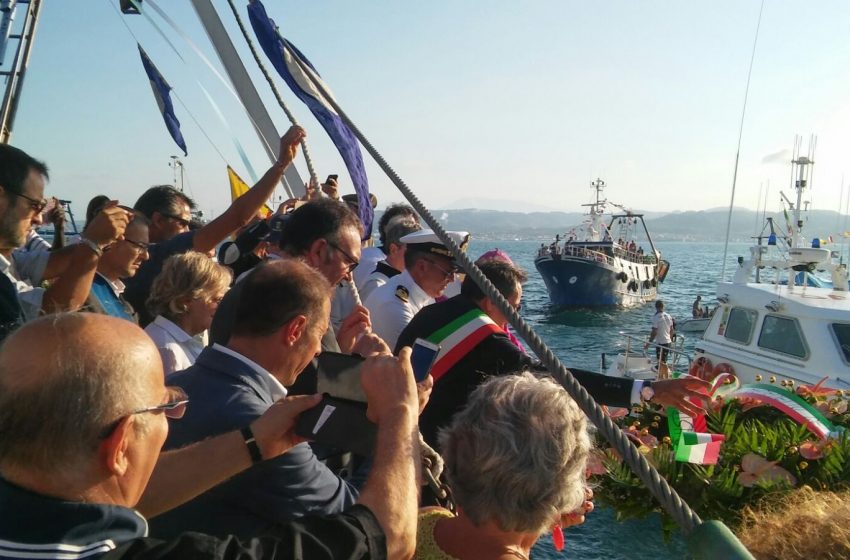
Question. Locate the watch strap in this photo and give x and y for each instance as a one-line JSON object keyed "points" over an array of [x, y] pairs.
{"points": [[251, 444]]}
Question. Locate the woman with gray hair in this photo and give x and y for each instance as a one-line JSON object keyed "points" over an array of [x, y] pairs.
{"points": [[515, 461], [184, 298]]}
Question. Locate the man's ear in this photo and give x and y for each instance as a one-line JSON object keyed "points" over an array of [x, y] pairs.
{"points": [[113, 449], [314, 252], [294, 330]]}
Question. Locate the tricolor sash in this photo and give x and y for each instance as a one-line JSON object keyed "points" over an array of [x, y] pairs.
{"points": [[459, 337]]}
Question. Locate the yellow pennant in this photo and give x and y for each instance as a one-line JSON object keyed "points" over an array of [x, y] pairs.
{"points": [[238, 187]]}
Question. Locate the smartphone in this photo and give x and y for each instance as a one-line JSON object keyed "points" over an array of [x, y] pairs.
{"points": [[334, 177], [339, 375], [340, 423], [422, 358]]}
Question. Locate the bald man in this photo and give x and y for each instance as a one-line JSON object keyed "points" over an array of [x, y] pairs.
{"points": [[82, 421]]}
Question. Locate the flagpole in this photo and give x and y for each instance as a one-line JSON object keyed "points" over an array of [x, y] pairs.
{"points": [[307, 157]]}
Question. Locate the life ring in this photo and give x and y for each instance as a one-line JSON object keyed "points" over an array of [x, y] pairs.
{"points": [[633, 286], [722, 367], [702, 368], [653, 282], [646, 284], [622, 277]]}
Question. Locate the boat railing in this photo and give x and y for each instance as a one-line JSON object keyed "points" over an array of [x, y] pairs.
{"points": [[678, 359]]}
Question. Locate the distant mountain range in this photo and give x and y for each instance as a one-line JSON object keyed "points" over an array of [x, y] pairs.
{"points": [[705, 225]]}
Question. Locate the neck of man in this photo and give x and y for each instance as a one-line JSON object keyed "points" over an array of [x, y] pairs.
{"points": [[458, 536], [264, 352], [60, 484]]}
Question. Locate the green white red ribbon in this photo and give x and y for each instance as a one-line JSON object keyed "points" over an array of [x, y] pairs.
{"points": [[795, 407]]}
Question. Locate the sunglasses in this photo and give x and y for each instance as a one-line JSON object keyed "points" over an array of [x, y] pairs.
{"points": [[36, 205], [142, 247], [352, 262], [174, 407], [446, 273], [182, 221]]}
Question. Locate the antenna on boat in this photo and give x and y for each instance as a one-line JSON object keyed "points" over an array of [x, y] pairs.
{"points": [[176, 164], [738, 152]]}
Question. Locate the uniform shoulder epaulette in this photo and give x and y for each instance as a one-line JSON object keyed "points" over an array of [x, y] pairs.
{"points": [[402, 293]]}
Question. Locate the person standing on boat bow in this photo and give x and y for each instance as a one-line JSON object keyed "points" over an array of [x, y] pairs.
{"points": [[661, 334]]}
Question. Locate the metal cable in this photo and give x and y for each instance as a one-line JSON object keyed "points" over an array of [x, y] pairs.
{"points": [[289, 115], [678, 509]]}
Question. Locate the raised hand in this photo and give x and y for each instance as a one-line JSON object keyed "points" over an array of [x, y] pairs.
{"points": [[108, 225], [289, 145]]}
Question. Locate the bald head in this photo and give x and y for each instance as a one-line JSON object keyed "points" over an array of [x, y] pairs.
{"points": [[63, 380]]}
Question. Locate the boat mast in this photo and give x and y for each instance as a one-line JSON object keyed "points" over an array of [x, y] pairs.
{"points": [[264, 126], [18, 69], [800, 164]]}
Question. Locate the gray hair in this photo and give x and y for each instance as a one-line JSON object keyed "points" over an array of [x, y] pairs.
{"points": [[516, 454], [398, 228], [57, 416]]}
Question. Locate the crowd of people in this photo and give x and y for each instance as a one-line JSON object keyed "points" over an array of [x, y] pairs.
{"points": [[142, 376]]}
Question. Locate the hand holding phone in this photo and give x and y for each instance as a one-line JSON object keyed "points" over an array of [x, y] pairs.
{"points": [[422, 357]]}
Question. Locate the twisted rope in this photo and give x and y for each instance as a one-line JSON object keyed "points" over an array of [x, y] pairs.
{"points": [[289, 115], [678, 509]]}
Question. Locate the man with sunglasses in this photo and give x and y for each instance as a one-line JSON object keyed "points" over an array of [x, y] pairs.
{"points": [[170, 215], [22, 181], [82, 423], [120, 260], [429, 269]]}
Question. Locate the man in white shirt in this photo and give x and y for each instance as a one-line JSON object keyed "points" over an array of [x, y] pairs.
{"points": [[661, 333], [395, 249], [429, 268]]}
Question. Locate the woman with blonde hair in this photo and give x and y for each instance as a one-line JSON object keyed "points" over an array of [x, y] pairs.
{"points": [[515, 462], [184, 298]]}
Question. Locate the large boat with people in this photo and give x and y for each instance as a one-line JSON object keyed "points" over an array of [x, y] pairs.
{"points": [[602, 264], [775, 321]]}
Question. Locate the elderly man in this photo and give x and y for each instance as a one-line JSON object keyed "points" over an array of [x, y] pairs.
{"points": [[474, 345], [279, 321], [22, 180], [82, 421], [170, 213], [429, 269], [121, 260]]}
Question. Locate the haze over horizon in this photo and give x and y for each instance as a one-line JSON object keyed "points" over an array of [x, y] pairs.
{"points": [[523, 104]]}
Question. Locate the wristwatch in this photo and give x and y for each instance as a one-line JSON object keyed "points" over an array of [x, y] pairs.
{"points": [[647, 392]]}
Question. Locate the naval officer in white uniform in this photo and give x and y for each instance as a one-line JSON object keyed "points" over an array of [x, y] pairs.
{"points": [[429, 268]]}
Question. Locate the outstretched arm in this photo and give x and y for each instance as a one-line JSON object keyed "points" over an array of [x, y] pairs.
{"points": [[71, 288], [184, 473], [246, 206]]}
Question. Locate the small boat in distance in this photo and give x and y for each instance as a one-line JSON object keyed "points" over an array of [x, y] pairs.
{"points": [[589, 268]]}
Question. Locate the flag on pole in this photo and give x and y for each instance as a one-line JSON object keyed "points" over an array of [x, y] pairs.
{"points": [[160, 91], [238, 187], [285, 58]]}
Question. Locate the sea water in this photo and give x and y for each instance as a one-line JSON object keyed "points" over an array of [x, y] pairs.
{"points": [[579, 337]]}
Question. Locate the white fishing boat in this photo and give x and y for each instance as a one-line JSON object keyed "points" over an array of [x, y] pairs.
{"points": [[771, 321]]}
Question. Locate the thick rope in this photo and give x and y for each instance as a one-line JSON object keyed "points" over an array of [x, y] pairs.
{"points": [[678, 509], [289, 115]]}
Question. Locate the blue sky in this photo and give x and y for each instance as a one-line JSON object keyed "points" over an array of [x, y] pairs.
{"points": [[521, 102]]}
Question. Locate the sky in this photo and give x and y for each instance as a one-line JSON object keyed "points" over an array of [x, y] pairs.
{"points": [[498, 104]]}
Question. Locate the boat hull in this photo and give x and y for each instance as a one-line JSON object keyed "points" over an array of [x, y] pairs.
{"points": [[582, 282]]}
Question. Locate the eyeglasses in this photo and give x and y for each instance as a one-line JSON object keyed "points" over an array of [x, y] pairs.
{"points": [[142, 247], [36, 205], [446, 273], [352, 262], [182, 221], [174, 407]]}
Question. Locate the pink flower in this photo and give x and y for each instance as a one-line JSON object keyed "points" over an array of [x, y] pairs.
{"points": [[756, 469], [812, 449], [596, 463]]}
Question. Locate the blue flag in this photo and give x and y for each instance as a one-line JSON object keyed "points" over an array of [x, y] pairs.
{"points": [[160, 91], [284, 62]]}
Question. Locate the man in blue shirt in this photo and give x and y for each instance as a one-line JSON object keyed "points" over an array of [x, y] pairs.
{"points": [[169, 212]]}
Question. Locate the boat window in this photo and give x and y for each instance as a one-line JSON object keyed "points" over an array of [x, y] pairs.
{"points": [[782, 334], [841, 332], [741, 324]]}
